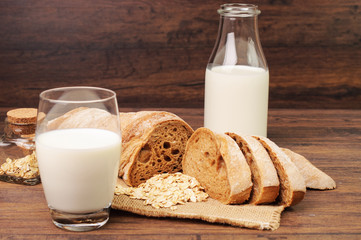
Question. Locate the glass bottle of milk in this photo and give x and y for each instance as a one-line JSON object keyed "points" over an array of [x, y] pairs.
{"points": [[236, 78]]}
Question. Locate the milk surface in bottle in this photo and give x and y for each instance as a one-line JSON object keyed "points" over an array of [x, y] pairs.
{"points": [[237, 76]]}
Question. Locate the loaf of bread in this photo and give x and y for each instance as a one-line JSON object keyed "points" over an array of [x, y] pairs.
{"points": [[153, 142], [264, 175], [292, 183], [314, 177], [216, 161]]}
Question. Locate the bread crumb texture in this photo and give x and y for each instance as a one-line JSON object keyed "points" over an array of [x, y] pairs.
{"points": [[162, 153]]}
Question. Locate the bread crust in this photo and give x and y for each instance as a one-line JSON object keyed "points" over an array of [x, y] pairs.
{"points": [[314, 177], [216, 161], [84, 117], [153, 142], [264, 175], [292, 184]]}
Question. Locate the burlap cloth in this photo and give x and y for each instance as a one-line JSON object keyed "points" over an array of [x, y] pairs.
{"points": [[265, 217]]}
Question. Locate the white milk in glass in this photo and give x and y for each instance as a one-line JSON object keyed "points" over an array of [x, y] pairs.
{"points": [[236, 99], [78, 168]]}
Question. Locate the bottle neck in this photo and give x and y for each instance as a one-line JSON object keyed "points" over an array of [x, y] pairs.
{"points": [[241, 19], [238, 39]]}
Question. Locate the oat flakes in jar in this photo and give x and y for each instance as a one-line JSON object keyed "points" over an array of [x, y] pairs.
{"points": [[18, 163]]}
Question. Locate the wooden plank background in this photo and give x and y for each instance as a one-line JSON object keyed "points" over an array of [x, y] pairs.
{"points": [[154, 53]]}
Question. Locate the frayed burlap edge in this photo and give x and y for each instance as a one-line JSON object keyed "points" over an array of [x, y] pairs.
{"points": [[263, 217]]}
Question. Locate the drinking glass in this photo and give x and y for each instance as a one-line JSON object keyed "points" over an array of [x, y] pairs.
{"points": [[78, 147]]}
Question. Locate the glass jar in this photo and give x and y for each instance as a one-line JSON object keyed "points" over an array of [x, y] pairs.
{"points": [[237, 78], [18, 162]]}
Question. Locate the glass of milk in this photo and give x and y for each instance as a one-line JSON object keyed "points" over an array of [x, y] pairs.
{"points": [[237, 78], [78, 147]]}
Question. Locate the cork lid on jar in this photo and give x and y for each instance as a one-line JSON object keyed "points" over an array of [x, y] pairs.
{"points": [[22, 116]]}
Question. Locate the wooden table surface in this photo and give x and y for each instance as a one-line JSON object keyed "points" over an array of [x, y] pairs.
{"points": [[331, 139]]}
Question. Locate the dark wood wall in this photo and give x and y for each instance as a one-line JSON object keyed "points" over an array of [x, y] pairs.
{"points": [[153, 53]]}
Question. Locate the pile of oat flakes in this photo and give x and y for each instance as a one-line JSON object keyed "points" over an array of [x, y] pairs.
{"points": [[26, 167], [166, 191]]}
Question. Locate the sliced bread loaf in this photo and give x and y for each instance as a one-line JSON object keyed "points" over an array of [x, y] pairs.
{"points": [[314, 177], [292, 183], [153, 143], [216, 161], [264, 175]]}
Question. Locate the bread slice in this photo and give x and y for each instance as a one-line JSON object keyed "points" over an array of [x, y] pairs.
{"points": [[216, 161], [264, 175], [153, 143], [314, 177], [292, 183]]}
